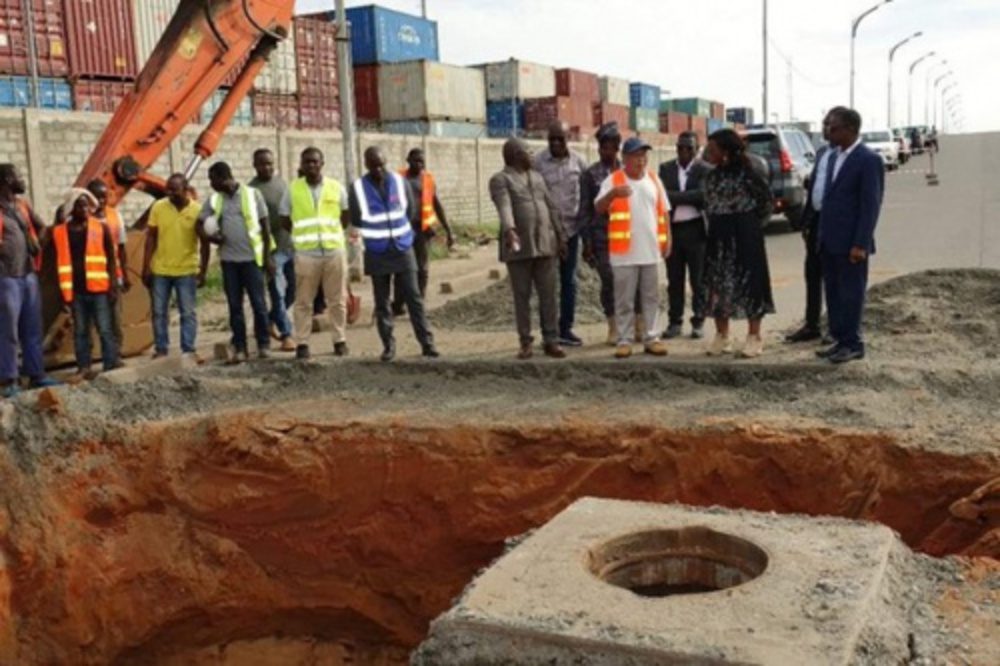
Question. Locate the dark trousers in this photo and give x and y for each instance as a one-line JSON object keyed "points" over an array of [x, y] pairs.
{"points": [[90, 310], [539, 274], [276, 290], [406, 282], [814, 279], [20, 327], [686, 260], [845, 298], [239, 278], [567, 284], [422, 255]]}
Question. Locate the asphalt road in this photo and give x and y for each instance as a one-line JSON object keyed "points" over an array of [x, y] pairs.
{"points": [[952, 225]]}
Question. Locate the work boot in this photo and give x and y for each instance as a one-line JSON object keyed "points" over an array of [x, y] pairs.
{"points": [[623, 351], [656, 348], [720, 345], [753, 347], [553, 350], [612, 332], [287, 345], [430, 351], [340, 349], [525, 352], [302, 352]]}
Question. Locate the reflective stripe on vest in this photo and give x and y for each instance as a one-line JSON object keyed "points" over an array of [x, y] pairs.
{"points": [[95, 260], [428, 188], [316, 228], [620, 217], [248, 201], [384, 223]]}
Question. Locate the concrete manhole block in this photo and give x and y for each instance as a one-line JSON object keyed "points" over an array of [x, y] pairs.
{"points": [[632, 584]]}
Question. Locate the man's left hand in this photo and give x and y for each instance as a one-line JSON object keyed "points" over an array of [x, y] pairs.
{"points": [[857, 255]]}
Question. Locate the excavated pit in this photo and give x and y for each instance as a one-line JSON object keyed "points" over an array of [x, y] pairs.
{"points": [[321, 534]]}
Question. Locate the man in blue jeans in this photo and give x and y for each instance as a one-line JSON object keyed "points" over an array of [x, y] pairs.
{"points": [[235, 218], [20, 302], [172, 264]]}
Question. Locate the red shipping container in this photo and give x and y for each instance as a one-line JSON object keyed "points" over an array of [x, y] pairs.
{"points": [[699, 125], [318, 113], [100, 37], [540, 112], [50, 38], [718, 111], [575, 83], [608, 113], [366, 92], [674, 123], [316, 55], [100, 96], [274, 110]]}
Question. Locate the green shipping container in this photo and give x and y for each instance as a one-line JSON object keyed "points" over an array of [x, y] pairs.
{"points": [[644, 120], [695, 106]]}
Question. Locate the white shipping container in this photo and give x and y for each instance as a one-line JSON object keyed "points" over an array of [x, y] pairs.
{"points": [[153, 16], [614, 91], [427, 90], [518, 79]]}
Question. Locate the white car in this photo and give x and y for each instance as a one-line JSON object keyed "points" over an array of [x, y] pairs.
{"points": [[882, 142]]}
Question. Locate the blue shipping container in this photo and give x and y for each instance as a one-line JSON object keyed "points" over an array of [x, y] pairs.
{"points": [[505, 118], [644, 96], [15, 91], [714, 125], [381, 35]]}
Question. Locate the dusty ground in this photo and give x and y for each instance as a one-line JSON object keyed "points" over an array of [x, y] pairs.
{"points": [[326, 511]]}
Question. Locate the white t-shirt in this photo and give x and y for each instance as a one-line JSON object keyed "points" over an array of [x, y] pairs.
{"points": [[644, 248]]}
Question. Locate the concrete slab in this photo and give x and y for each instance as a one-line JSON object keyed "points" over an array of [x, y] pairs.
{"points": [[543, 603]]}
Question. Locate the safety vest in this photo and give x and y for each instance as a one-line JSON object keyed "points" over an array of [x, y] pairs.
{"points": [[620, 217], [95, 260], [384, 224], [316, 228], [25, 210], [117, 228], [248, 201], [428, 216]]}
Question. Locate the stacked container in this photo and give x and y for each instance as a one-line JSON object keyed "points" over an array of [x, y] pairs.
{"points": [[694, 106], [244, 113], [644, 116], [100, 36], [445, 100], [539, 113], [505, 118], [316, 58], [100, 96], [50, 43], [366, 104], [614, 91], [275, 110], [673, 122], [644, 96], [699, 125], [714, 125], [717, 111], [508, 85], [16, 91], [742, 115]]}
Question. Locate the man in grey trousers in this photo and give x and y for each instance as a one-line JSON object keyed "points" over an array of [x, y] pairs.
{"points": [[532, 241]]}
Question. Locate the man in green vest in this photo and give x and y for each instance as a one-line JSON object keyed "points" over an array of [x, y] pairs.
{"points": [[235, 218], [315, 210]]}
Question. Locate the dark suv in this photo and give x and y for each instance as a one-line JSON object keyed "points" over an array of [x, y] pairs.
{"points": [[789, 154]]}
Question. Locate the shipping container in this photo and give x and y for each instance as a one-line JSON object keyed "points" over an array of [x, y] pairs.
{"points": [[380, 35], [699, 125], [318, 113], [713, 125], [643, 119], [644, 95], [576, 83], [428, 90], [100, 96], [100, 38], [614, 91], [366, 104], [242, 118], [316, 56], [16, 91], [50, 38], [274, 110], [674, 122], [280, 74], [576, 112], [740, 114], [717, 111], [518, 79], [439, 128], [505, 118], [608, 113], [695, 106]]}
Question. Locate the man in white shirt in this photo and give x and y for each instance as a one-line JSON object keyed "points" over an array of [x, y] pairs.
{"points": [[638, 238]]}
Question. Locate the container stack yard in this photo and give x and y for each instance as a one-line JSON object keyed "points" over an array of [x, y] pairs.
{"points": [[703, 116], [509, 85]]}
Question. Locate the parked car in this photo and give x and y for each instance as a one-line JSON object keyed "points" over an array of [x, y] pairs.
{"points": [[884, 145], [790, 155], [904, 145], [916, 137]]}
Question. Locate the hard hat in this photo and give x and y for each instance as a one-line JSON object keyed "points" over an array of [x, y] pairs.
{"points": [[211, 225]]}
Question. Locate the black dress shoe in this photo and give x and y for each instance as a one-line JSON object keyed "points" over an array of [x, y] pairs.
{"points": [[431, 352], [827, 352], [845, 355], [804, 334], [302, 352], [388, 353], [673, 331], [340, 349], [827, 340]]}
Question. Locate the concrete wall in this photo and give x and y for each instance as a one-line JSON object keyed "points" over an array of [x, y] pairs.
{"points": [[51, 147]]}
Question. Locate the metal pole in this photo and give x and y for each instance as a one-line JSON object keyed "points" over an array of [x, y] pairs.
{"points": [[934, 100], [423, 8], [346, 75], [764, 104], [27, 8], [909, 88], [892, 54], [854, 35]]}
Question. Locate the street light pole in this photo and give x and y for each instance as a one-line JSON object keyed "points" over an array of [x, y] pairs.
{"points": [[854, 34], [927, 90], [909, 87], [892, 54], [764, 87], [934, 99]]}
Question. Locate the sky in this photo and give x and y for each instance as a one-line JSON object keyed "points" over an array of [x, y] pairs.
{"points": [[713, 49]]}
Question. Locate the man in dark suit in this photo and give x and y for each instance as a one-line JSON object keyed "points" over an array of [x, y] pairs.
{"points": [[851, 204], [682, 181], [810, 227]]}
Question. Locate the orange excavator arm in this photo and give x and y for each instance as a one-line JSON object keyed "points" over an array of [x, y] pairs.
{"points": [[204, 42]]}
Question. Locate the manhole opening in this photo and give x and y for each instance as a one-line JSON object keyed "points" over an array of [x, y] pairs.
{"points": [[668, 562]]}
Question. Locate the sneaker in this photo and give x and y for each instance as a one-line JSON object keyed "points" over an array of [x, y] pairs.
{"points": [[431, 352], [656, 348], [287, 345], [44, 382], [302, 352], [623, 351], [553, 350], [753, 347], [697, 333], [340, 349], [388, 353], [720, 345], [845, 355], [673, 331], [804, 334], [10, 390], [570, 339]]}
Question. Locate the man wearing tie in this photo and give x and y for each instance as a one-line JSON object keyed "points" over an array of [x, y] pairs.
{"points": [[852, 199]]}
